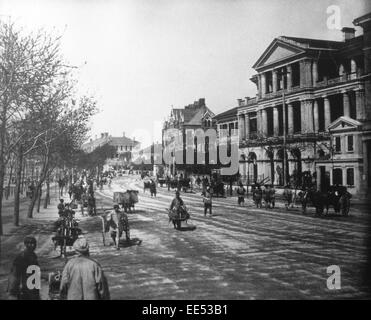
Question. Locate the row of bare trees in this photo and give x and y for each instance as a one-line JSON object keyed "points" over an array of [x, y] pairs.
{"points": [[41, 116]]}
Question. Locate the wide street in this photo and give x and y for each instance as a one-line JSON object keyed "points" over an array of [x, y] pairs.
{"points": [[238, 253]]}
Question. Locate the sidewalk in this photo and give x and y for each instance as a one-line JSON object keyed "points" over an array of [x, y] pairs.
{"points": [[40, 227]]}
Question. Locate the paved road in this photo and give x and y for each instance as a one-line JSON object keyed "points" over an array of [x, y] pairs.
{"points": [[239, 253]]}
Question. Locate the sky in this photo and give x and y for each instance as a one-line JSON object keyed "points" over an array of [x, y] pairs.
{"points": [[140, 58]]}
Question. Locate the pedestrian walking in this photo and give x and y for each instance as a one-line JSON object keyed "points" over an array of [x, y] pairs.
{"points": [[25, 266], [257, 196], [152, 188], [82, 277], [207, 199], [241, 194]]}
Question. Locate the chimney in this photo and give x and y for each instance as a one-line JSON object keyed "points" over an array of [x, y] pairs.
{"points": [[348, 33], [240, 102], [201, 101]]}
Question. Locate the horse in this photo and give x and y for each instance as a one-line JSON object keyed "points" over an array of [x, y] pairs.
{"points": [[319, 200]]}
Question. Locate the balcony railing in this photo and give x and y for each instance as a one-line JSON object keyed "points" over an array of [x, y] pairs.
{"points": [[256, 139], [326, 82]]}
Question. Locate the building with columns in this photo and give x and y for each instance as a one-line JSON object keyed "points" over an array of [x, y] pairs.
{"points": [[311, 112]]}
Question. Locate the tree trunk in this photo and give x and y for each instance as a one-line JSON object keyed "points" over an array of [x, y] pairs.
{"points": [[33, 202], [2, 174], [39, 198], [47, 194], [7, 193], [18, 185], [23, 177]]}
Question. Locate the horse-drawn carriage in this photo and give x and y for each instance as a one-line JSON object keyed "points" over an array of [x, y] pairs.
{"points": [[126, 199], [177, 215], [67, 231], [336, 196]]}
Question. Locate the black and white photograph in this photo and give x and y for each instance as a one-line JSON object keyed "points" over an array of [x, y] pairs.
{"points": [[204, 151]]}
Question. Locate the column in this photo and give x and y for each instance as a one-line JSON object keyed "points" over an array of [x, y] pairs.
{"points": [[315, 116], [274, 80], [346, 104], [303, 113], [318, 177], [315, 73], [305, 73], [327, 108], [259, 86], [290, 119], [264, 122], [247, 126], [360, 104], [275, 122], [309, 109], [263, 84], [353, 69], [289, 77], [259, 121], [344, 172], [241, 127]]}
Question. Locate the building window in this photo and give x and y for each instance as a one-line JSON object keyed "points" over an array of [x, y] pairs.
{"points": [[337, 144], [337, 176], [126, 148], [131, 148], [350, 176], [121, 148], [350, 144]]}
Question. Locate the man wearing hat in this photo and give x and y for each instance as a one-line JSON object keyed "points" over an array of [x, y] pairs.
{"points": [[83, 277], [24, 267]]}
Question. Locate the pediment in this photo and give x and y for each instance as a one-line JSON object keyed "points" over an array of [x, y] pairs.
{"points": [[344, 123], [277, 51]]}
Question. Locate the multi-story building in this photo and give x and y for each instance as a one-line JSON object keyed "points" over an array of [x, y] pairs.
{"points": [[191, 117], [311, 112], [124, 147]]}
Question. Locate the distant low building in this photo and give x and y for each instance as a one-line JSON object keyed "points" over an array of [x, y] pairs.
{"points": [[125, 147]]}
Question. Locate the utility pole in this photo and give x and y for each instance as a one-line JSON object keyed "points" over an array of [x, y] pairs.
{"points": [[284, 139], [284, 73]]}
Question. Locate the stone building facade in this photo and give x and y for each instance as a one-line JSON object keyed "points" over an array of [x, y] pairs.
{"points": [[192, 117], [311, 113]]}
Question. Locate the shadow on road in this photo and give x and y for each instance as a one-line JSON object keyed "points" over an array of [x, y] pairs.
{"points": [[187, 228]]}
